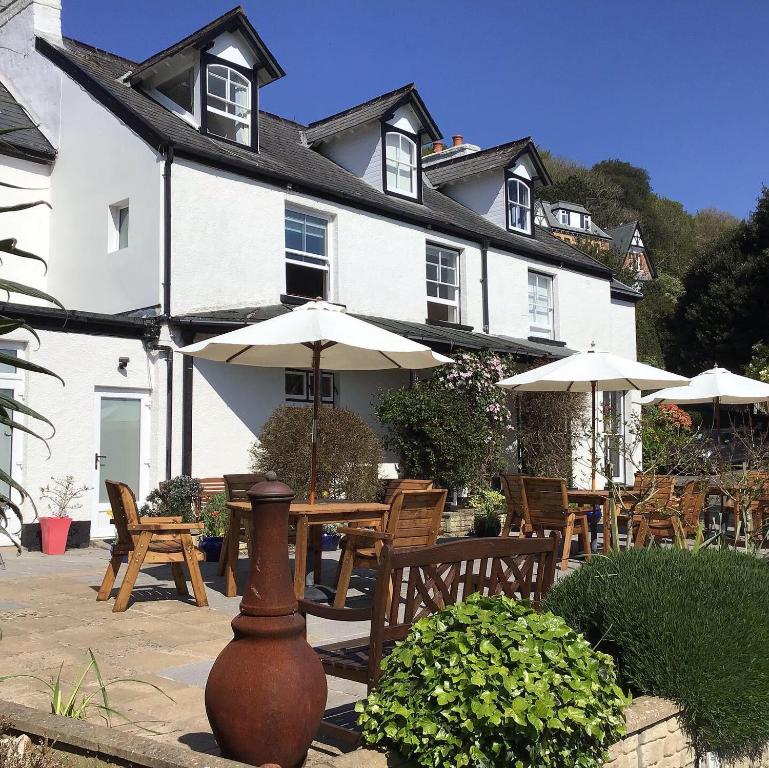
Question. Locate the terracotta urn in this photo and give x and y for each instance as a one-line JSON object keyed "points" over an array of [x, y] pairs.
{"points": [[266, 693]]}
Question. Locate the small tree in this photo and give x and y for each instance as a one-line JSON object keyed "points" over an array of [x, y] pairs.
{"points": [[63, 495], [349, 452]]}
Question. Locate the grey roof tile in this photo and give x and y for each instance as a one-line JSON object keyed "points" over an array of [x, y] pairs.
{"points": [[456, 168], [283, 157], [623, 236], [24, 138]]}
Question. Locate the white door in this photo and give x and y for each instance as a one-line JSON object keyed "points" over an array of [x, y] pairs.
{"points": [[6, 464], [122, 443]]}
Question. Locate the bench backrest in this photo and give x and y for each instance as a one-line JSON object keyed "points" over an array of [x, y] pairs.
{"points": [[236, 487], [125, 512], [655, 494], [211, 486], [392, 486], [692, 501], [425, 580], [414, 519], [512, 488], [546, 500]]}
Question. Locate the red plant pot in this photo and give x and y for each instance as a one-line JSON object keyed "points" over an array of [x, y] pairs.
{"points": [[54, 531]]}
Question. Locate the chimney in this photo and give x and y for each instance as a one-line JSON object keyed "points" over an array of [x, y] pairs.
{"points": [[438, 146], [458, 140], [458, 148], [31, 78]]}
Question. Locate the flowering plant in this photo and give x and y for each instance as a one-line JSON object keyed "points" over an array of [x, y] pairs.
{"points": [[215, 515], [677, 416], [63, 495]]}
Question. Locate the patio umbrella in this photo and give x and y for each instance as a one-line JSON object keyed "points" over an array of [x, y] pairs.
{"points": [[316, 335], [592, 371], [717, 386]]}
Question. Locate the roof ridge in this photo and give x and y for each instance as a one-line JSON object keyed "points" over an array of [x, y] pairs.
{"points": [[299, 125], [103, 51], [456, 159], [380, 97]]}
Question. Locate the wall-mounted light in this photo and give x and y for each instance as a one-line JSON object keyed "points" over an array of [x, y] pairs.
{"points": [[122, 363]]}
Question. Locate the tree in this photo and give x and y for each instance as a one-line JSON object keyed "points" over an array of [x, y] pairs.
{"points": [[632, 180], [710, 224]]}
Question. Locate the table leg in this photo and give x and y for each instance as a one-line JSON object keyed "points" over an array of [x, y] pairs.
{"points": [[300, 556], [606, 527], [233, 545], [316, 537]]}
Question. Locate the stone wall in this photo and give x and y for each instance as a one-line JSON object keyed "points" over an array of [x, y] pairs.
{"points": [[457, 522]]}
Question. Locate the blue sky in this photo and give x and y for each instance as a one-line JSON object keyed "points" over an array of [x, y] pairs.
{"points": [[678, 87]]}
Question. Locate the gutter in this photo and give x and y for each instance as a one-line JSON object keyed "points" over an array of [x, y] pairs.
{"points": [[169, 355]]}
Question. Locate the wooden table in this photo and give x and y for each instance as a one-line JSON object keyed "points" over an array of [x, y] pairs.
{"points": [[303, 516], [586, 497]]}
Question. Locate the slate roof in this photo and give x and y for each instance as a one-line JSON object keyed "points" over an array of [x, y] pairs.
{"points": [[456, 168], [624, 291], [234, 19], [284, 158], [441, 336], [25, 138], [554, 223], [623, 236], [374, 109], [569, 206]]}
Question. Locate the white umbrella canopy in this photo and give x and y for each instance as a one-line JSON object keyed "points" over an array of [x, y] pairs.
{"points": [[592, 372], [715, 385], [316, 335], [290, 340]]}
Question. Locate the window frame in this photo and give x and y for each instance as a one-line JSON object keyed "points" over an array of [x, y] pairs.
{"points": [[457, 302], [309, 257], [564, 213], [510, 177], [207, 59], [414, 138], [585, 221], [537, 330], [609, 400], [307, 397], [115, 211]]}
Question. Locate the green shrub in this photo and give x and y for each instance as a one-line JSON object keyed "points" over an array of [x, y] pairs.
{"points": [[693, 628], [349, 452], [491, 682], [177, 497], [215, 515], [490, 506]]}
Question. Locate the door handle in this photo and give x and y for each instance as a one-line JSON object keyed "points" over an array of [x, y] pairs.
{"points": [[98, 458]]}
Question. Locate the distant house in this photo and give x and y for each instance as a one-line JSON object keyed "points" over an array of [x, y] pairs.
{"points": [[181, 208], [628, 242]]}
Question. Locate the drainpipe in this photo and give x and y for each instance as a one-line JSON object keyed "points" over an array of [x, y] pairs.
{"points": [[169, 355], [485, 283], [169, 159]]}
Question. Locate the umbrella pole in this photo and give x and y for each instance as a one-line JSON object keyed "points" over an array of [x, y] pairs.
{"points": [[592, 437], [316, 349]]}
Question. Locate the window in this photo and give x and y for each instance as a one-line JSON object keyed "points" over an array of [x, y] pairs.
{"points": [[119, 226], [306, 255], [299, 386], [442, 284], [228, 103], [7, 368], [180, 89], [401, 164], [541, 305], [584, 221], [614, 433], [518, 205]]}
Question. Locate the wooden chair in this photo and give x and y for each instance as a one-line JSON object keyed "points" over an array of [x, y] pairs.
{"points": [[546, 508], [512, 488], [392, 486], [413, 521], [149, 540], [426, 580], [236, 488], [652, 505], [679, 519]]}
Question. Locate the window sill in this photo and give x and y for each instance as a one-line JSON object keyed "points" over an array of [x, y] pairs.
{"points": [[546, 340], [447, 324], [294, 301]]}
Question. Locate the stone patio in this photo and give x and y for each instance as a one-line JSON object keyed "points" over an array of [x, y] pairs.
{"points": [[49, 618]]}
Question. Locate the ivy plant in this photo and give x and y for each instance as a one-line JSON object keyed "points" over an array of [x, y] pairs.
{"points": [[491, 682]]}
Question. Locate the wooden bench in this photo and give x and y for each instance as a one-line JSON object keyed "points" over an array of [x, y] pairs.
{"points": [[427, 580]]}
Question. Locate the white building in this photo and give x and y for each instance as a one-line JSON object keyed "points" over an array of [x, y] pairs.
{"points": [[178, 209]]}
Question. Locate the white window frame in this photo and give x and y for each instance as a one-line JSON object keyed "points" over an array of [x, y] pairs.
{"points": [[534, 328], [400, 161], [440, 251], [563, 217], [232, 73], [15, 381], [304, 258], [616, 398], [307, 395], [514, 204], [586, 222], [115, 212]]}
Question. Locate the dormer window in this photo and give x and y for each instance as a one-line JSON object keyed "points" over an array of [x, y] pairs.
{"points": [[518, 206], [401, 164], [180, 89], [584, 222], [563, 217], [229, 95]]}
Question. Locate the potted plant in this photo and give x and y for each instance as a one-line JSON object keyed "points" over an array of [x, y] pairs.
{"points": [[61, 495], [177, 497], [330, 538], [215, 519], [489, 506]]}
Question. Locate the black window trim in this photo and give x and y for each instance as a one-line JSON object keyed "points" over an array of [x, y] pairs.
{"points": [[251, 74], [510, 174], [306, 372], [388, 128], [458, 252]]}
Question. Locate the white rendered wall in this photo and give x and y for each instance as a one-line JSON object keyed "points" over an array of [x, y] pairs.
{"points": [[483, 193], [30, 227], [359, 151], [232, 47], [100, 163], [85, 363]]}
